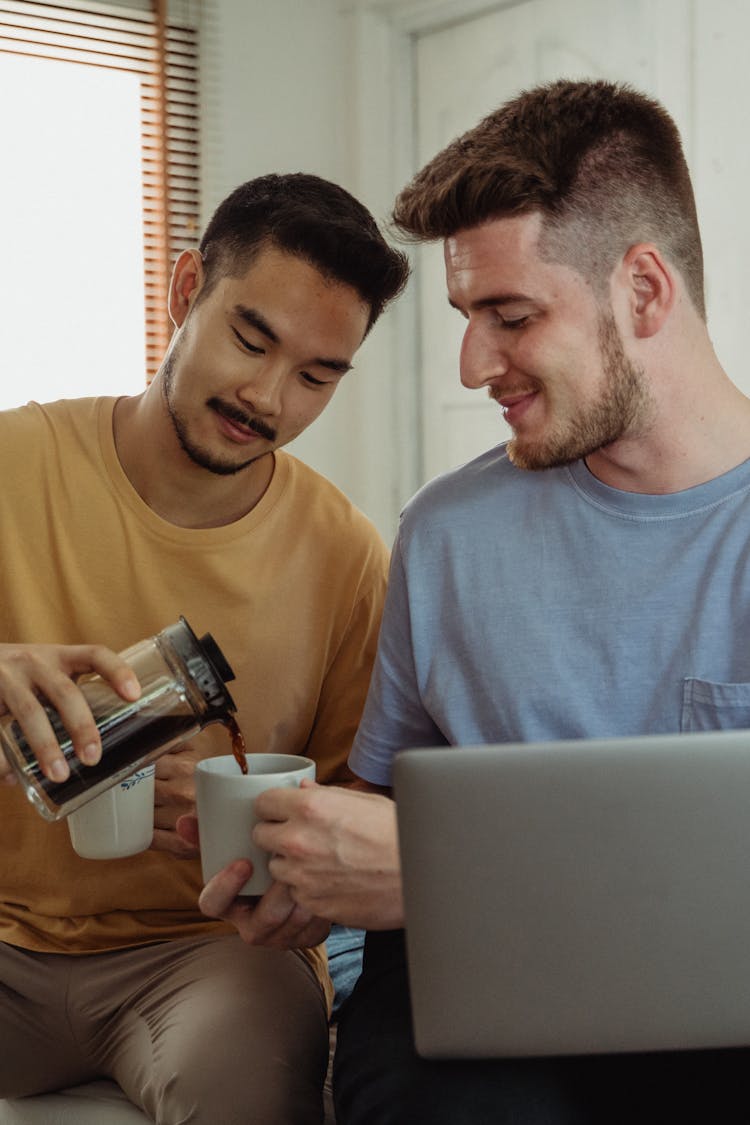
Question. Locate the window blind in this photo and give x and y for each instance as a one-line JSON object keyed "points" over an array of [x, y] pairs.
{"points": [[137, 36]]}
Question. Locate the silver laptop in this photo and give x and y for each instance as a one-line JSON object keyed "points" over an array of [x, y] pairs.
{"points": [[577, 897]]}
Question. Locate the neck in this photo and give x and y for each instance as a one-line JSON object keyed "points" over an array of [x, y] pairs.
{"points": [[698, 429], [174, 487]]}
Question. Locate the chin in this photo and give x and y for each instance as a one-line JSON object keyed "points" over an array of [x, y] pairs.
{"points": [[536, 458]]}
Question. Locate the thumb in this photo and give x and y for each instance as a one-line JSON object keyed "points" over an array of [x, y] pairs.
{"points": [[187, 829]]}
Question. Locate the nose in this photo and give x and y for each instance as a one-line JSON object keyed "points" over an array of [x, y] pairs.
{"points": [[483, 357], [262, 394]]}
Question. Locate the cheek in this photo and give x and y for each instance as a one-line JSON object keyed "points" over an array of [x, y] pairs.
{"points": [[556, 361]]}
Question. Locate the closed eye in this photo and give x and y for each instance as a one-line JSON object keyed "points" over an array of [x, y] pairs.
{"points": [[513, 322], [313, 382], [509, 322], [247, 345]]}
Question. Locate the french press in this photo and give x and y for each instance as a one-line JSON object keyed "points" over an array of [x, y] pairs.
{"points": [[182, 683]]}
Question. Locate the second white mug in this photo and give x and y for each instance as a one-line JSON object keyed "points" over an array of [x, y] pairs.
{"points": [[119, 822]]}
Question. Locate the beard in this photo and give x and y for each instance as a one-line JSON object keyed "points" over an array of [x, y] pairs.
{"points": [[623, 405], [197, 454]]}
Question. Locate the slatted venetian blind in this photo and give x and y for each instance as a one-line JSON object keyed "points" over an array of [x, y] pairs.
{"points": [[141, 37]]}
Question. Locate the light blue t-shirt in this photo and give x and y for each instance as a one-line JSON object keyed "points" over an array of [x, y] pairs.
{"points": [[528, 606]]}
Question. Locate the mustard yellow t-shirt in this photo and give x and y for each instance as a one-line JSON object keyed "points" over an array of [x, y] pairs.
{"points": [[292, 593]]}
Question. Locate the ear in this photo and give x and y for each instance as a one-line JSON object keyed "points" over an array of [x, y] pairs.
{"points": [[651, 287], [187, 279]]}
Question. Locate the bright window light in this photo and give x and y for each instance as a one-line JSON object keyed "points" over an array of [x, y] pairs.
{"points": [[71, 285]]}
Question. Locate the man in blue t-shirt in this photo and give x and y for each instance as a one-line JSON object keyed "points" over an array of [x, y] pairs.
{"points": [[589, 578]]}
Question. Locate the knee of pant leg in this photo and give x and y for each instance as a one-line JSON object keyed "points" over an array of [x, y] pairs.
{"points": [[238, 1036], [240, 1078], [278, 1099], [281, 1101]]}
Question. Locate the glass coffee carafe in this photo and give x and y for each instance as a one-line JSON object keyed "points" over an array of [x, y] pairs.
{"points": [[183, 689]]}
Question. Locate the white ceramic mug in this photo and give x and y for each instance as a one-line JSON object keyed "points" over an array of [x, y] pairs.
{"points": [[226, 815], [118, 822]]}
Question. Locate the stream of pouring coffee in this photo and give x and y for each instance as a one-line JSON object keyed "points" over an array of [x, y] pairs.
{"points": [[239, 749]]}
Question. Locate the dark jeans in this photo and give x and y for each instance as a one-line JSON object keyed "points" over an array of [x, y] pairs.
{"points": [[380, 1080]]}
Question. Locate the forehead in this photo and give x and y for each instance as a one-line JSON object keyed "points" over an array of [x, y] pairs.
{"points": [[295, 297], [502, 258], [277, 272]]}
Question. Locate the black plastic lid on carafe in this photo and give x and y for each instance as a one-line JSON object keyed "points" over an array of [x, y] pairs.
{"points": [[208, 668]]}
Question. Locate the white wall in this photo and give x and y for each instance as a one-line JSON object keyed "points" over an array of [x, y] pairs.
{"points": [[279, 97], [720, 168]]}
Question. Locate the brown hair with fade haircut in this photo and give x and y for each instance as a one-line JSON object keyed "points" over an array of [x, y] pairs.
{"points": [[601, 162]]}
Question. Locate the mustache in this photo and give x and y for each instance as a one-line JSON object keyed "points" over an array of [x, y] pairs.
{"points": [[234, 414]]}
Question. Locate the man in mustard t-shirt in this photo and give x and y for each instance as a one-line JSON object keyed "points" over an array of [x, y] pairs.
{"points": [[118, 516]]}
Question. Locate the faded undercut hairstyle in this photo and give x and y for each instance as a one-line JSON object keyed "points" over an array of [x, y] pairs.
{"points": [[602, 163], [313, 219]]}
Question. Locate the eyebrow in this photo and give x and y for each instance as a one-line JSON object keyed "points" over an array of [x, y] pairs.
{"points": [[494, 302], [258, 321]]}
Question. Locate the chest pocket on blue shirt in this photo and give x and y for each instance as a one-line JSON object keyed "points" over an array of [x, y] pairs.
{"points": [[710, 706]]}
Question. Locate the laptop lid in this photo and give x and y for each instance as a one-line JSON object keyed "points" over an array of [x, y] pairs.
{"points": [[578, 896]]}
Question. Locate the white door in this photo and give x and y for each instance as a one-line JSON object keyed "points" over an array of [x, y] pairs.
{"points": [[467, 69]]}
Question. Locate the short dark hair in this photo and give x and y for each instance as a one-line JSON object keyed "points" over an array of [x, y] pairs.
{"points": [[313, 219], [602, 163]]}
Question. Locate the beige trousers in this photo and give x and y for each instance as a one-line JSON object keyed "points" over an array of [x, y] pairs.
{"points": [[201, 1030]]}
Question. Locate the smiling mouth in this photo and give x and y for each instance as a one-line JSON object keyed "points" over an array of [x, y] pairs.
{"points": [[506, 401], [514, 404]]}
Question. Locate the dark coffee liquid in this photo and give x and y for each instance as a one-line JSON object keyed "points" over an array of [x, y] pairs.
{"points": [[125, 743], [239, 749], [127, 738]]}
